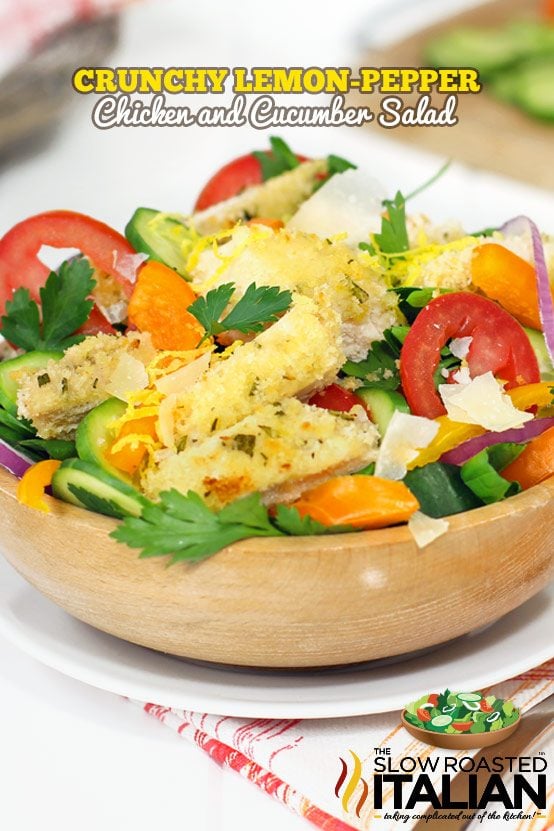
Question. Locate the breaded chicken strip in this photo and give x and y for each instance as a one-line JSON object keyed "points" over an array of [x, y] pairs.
{"points": [[312, 266], [295, 356], [56, 398], [280, 450], [278, 198]]}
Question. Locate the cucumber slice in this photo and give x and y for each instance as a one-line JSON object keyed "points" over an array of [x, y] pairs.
{"points": [[8, 383], [469, 696], [94, 435], [440, 490], [530, 86], [88, 486], [540, 350], [471, 706], [441, 721], [164, 238], [484, 49], [382, 404]]}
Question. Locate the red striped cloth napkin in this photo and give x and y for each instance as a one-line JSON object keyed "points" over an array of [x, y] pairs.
{"points": [[299, 762], [25, 23]]}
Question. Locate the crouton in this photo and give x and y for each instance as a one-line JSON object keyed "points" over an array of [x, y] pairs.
{"points": [[81, 380], [295, 356], [278, 198], [312, 266], [280, 450]]}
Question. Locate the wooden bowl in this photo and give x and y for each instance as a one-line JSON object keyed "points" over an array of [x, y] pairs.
{"points": [[460, 741], [289, 602]]}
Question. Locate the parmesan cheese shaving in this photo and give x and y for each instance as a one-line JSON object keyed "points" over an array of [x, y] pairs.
{"points": [[128, 376], [460, 347], [185, 377], [165, 426], [425, 529], [406, 435], [482, 401], [350, 203]]}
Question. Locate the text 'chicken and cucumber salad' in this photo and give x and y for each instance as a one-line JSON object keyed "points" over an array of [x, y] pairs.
{"points": [[297, 356]]}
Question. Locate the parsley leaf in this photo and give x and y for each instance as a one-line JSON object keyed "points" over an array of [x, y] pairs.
{"points": [[64, 302], [393, 238], [64, 309], [21, 323], [379, 369], [258, 306], [183, 526], [412, 300], [279, 159], [207, 310]]}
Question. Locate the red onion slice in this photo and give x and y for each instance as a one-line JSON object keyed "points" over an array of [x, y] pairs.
{"points": [[515, 227], [13, 461], [519, 435]]}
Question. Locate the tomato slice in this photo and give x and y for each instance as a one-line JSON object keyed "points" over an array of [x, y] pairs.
{"points": [[19, 263], [499, 345], [423, 714], [232, 179], [462, 726], [335, 397]]}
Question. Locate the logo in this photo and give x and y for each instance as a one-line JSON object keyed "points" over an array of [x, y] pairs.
{"points": [[402, 786], [351, 784]]}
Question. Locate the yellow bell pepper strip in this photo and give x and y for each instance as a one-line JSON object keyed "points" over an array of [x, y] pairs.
{"points": [[535, 463], [509, 279], [532, 395], [361, 501], [33, 484], [450, 434], [453, 433]]}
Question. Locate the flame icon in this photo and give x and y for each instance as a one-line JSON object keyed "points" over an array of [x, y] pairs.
{"points": [[352, 783]]}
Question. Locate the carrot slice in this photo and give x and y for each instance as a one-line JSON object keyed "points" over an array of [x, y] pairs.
{"points": [[361, 501], [507, 278], [33, 484], [535, 463], [159, 305]]}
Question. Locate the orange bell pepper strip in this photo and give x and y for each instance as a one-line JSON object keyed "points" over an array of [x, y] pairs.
{"points": [[275, 224], [159, 305], [507, 278], [129, 458], [361, 501], [535, 463], [32, 485]]}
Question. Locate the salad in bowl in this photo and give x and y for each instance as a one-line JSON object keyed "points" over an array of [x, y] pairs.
{"points": [[297, 356]]}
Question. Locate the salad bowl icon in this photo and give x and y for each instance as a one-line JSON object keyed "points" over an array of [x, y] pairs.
{"points": [[461, 720]]}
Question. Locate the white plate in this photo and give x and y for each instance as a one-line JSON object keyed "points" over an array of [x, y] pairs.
{"points": [[517, 642]]}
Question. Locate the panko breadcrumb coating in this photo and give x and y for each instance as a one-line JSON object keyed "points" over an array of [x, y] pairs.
{"points": [[295, 356], [56, 398], [312, 266], [280, 450], [278, 198]]}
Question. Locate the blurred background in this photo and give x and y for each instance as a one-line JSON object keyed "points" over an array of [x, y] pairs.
{"points": [[51, 156]]}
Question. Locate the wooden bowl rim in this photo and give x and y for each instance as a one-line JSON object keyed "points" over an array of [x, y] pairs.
{"points": [[537, 496], [466, 741]]}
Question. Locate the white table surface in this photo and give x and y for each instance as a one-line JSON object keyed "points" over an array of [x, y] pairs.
{"points": [[72, 757]]}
